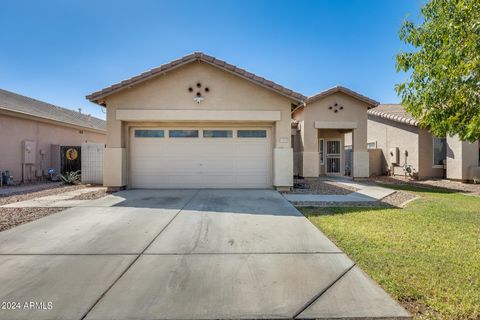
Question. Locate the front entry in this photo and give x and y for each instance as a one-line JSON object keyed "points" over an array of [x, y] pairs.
{"points": [[333, 165]]}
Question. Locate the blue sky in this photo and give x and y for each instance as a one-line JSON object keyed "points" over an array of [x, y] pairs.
{"points": [[60, 51]]}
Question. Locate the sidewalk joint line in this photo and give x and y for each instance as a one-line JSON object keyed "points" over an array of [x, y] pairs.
{"points": [[318, 295]]}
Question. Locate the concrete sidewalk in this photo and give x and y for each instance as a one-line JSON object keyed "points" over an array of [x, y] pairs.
{"points": [[183, 254], [364, 193]]}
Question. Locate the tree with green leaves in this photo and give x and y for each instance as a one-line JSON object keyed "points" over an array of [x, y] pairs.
{"points": [[443, 88]]}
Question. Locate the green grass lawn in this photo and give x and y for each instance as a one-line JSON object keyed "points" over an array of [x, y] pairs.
{"points": [[426, 255]]}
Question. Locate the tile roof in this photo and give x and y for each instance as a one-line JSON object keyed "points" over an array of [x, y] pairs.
{"points": [[394, 112], [196, 56], [14, 102], [344, 90]]}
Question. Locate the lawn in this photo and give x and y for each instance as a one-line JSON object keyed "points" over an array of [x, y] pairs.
{"points": [[426, 255]]}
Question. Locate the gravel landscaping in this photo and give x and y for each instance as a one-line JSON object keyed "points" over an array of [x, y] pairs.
{"points": [[443, 184], [91, 195], [12, 217], [28, 195], [321, 186]]}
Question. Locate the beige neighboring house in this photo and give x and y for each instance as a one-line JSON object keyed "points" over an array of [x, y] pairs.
{"points": [[200, 122], [402, 141], [41, 125]]}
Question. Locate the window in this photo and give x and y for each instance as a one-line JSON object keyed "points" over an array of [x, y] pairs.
{"points": [[321, 151], [217, 133], [439, 151], [149, 134], [372, 145], [251, 133], [183, 133]]}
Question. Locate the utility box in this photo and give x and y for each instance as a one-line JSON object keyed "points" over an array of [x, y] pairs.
{"points": [[29, 151], [394, 156]]}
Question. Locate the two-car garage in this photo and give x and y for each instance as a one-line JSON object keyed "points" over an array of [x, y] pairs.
{"points": [[207, 157]]}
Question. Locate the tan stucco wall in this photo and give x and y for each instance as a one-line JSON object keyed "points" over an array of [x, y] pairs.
{"points": [[389, 134], [376, 162], [13, 130], [170, 92], [462, 159], [425, 158], [416, 141], [354, 113]]}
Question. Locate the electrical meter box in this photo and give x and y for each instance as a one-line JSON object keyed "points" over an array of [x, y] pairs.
{"points": [[29, 150], [394, 155]]}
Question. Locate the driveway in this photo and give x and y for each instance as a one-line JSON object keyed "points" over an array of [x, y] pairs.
{"points": [[182, 254]]}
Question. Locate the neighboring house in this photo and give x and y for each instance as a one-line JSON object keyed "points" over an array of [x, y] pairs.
{"points": [[404, 143], [29, 126], [201, 122]]}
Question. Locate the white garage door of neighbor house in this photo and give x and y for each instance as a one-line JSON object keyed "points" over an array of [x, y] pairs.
{"points": [[200, 158]]}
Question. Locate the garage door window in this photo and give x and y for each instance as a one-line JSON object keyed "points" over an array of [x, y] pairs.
{"points": [[217, 133], [149, 134], [252, 133], [183, 133]]}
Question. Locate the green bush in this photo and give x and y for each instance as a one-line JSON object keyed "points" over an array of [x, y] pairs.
{"points": [[71, 178]]}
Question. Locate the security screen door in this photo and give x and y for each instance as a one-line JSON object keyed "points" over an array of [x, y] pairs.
{"points": [[333, 157]]}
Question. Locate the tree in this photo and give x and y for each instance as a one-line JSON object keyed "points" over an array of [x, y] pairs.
{"points": [[443, 88]]}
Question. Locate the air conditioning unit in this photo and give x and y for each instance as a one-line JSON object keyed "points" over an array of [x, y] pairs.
{"points": [[394, 155]]}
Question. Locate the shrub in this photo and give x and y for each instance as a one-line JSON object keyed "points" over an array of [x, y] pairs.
{"points": [[71, 178]]}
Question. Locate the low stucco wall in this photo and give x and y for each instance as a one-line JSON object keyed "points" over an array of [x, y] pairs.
{"points": [[375, 162], [462, 159], [14, 130]]}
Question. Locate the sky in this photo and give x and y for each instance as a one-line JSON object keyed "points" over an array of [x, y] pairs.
{"points": [[60, 51]]}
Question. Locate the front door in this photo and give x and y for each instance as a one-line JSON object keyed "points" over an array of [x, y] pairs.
{"points": [[333, 157]]}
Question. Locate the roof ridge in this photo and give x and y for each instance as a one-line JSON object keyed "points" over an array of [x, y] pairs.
{"points": [[340, 88], [200, 56], [391, 116], [19, 103]]}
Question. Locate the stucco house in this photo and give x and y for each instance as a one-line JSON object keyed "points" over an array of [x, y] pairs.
{"points": [[202, 122], [29, 128], [403, 143]]}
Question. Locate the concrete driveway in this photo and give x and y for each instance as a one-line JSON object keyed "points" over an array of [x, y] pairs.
{"points": [[182, 254]]}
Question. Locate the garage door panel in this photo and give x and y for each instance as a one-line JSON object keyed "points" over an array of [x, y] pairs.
{"points": [[200, 162]]}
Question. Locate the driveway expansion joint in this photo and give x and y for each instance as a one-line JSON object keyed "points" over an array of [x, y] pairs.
{"points": [[318, 295]]}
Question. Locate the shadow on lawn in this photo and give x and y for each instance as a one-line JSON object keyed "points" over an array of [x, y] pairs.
{"points": [[418, 188], [330, 211]]}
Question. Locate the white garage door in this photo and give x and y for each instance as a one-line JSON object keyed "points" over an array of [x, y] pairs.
{"points": [[200, 158]]}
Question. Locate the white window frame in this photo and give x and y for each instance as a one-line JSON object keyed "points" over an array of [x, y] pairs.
{"points": [[321, 151], [436, 166], [374, 142]]}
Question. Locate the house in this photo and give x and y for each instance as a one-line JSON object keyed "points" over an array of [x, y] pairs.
{"points": [[200, 122], [34, 129], [406, 145]]}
